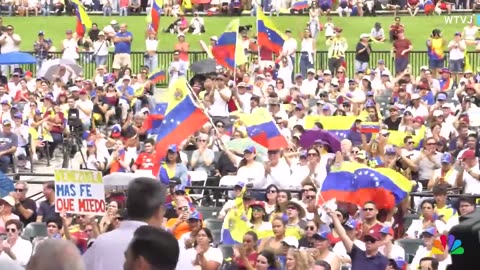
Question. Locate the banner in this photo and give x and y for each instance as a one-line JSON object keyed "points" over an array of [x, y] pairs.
{"points": [[79, 192]]}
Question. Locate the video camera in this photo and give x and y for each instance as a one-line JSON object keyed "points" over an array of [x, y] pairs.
{"points": [[74, 122]]}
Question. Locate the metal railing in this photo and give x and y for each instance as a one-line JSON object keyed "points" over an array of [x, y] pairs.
{"points": [[417, 59]]}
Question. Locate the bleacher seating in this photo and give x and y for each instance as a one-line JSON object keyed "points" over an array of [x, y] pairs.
{"points": [[410, 246], [34, 229], [408, 219], [213, 224], [209, 212]]}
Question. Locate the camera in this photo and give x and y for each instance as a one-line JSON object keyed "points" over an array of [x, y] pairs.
{"points": [[74, 122]]}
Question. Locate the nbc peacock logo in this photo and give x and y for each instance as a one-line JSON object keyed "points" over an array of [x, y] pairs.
{"points": [[454, 245]]}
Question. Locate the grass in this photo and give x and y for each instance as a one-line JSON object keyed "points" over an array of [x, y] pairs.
{"points": [[418, 29]]}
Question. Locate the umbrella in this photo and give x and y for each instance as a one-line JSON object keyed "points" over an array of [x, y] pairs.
{"points": [[309, 137], [238, 145], [6, 185], [16, 58], [51, 67], [204, 66]]}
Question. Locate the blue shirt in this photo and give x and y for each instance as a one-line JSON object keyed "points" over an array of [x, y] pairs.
{"points": [[123, 46], [129, 91], [360, 261]]}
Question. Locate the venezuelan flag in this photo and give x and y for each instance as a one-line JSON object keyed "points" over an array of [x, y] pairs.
{"points": [[182, 118], [153, 18], [268, 35], [340, 126], [153, 123], [262, 129], [84, 23], [157, 76], [300, 5], [369, 127], [228, 51], [396, 137], [435, 50], [356, 183], [235, 223]]}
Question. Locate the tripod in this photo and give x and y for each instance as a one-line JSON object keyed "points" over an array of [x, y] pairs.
{"points": [[71, 145]]}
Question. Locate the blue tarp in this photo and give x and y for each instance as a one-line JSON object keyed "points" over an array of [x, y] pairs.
{"points": [[16, 58]]}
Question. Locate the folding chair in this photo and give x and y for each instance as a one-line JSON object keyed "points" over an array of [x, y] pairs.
{"points": [[198, 177], [228, 181]]}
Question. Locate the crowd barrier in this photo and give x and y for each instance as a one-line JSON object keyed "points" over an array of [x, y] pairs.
{"points": [[417, 60]]}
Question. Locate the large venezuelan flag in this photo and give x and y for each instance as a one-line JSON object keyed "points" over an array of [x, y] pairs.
{"points": [[340, 126], [268, 35], [182, 118], [262, 129], [356, 183], [228, 51], [84, 23], [157, 76], [153, 18]]}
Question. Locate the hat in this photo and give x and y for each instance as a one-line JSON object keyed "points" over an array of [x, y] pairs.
{"points": [[18, 115], [366, 77], [176, 52], [248, 195], [101, 33], [74, 88], [386, 73], [381, 62], [179, 188], [327, 72], [41, 33], [362, 154], [370, 103], [334, 82], [195, 216], [415, 96], [370, 94], [9, 200], [116, 131], [83, 92], [68, 31], [311, 70], [300, 209], [173, 148], [299, 106], [364, 36], [419, 119], [468, 71], [437, 113], [468, 154], [441, 96], [432, 231], [351, 224], [6, 102], [38, 112], [390, 151], [126, 77], [290, 241], [240, 184], [180, 35], [258, 204], [303, 154], [423, 68], [321, 235], [260, 76], [7, 122], [113, 22], [214, 38], [384, 132], [90, 143], [387, 230], [338, 29], [374, 237], [444, 70], [250, 149], [326, 107], [458, 34], [446, 158], [288, 30], [298, 76], [447, 106], [241, 84]]}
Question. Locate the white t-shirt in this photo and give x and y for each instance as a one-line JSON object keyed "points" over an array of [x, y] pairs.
{"points": [[245, 99], [309, 87], [212, 254], [254, 174], [14, 88], [100, 48], [87, 105], [9, 45], [279, 175], [220, 106], [422, 252], [151, 45], [22, 250], [70, 47], [472, 185], [397, 252], [289, 46]]}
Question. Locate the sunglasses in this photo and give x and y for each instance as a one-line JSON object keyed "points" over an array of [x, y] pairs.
{"points": [[354, 152], [201, 140], [312, 154], [183, 208], [272, 191], [410, 143], [219, 126], [291, 208], [368, 209], [52, 226], [309, 197], [119, 218], [273, 152], [310, 228], [11, 230], [257, 209], [19, 189], [430, 144]]}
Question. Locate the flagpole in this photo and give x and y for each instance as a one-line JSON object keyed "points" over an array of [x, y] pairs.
{"points": [[202, 107], [258, 45]]}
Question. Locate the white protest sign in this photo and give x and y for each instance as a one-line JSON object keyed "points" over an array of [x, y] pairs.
{"points": [[79, 192]]}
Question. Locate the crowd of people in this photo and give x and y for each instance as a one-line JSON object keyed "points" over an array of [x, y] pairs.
{"points": [[426, 133]]}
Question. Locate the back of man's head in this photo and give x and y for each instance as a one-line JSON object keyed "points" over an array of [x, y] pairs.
{"points": [[145, 199], [56, 254], [148, 242]]}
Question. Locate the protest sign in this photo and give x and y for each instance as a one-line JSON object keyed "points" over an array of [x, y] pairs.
{"points": [[79, 192]]}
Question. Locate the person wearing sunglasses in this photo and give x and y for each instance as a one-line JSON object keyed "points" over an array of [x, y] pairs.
{"points": [[25, 208], [370, 223], [14, 247], [179, 226], [307, 242]]}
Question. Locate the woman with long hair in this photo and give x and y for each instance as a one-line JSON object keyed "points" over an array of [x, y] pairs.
{"points": [[245, 254], [428, 218], [206, 257], [296, 260], [266, 260], [283, 197], [308, 49], [271, 198], [258, 219], [248, 168], [173, 166], [311, 229]]}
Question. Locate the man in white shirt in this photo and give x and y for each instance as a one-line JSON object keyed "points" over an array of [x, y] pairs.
{"points": [[219, 98], [418, 108], [9, 42], [471, 172], [243, 97], [85, 107], [309, 85], [145, 206], [70, 46]]}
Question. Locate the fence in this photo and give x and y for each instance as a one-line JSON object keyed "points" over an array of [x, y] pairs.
{"points": [[417, 59]]}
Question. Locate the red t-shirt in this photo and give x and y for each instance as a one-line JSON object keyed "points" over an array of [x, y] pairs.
{"points": [[52, 114], [412, 2], [375, 229], [148, 161], [82, 240], [400, 45], [252, 258]]}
